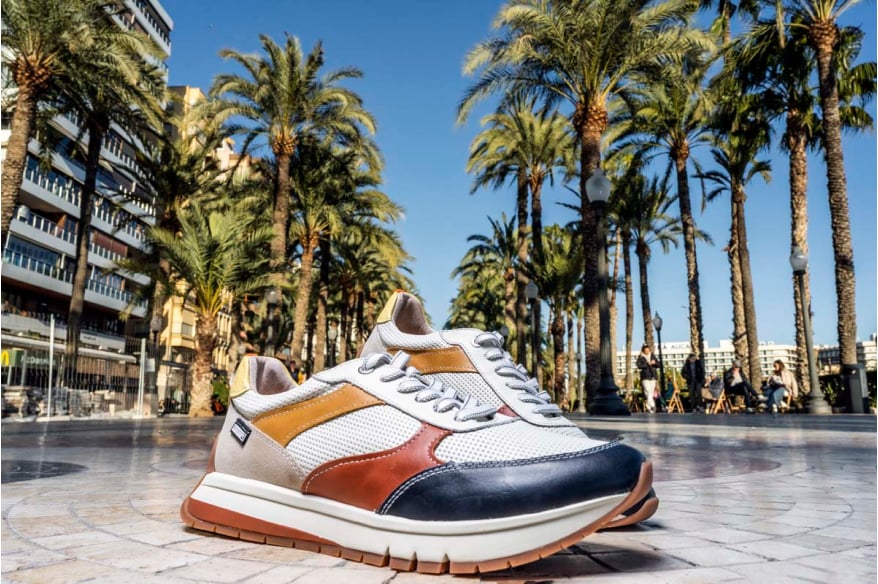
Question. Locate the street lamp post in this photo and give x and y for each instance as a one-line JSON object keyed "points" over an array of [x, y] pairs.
{"points": [[816, 402], [504, 332], [155, 326], [607, 401], [657, 323], [332, 335], [271, 299], [531, 292]]}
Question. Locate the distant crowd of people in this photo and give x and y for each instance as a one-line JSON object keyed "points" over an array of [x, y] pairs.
{"points": [[701, 388]]}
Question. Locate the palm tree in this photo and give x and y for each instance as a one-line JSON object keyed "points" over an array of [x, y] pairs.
{"points": [[725, 9], [498, 253], [284, 100], [213, 259], [817, 19], [671, 117], [529, 144], [47, 46], [642, 208], [778, 69], [558, 276], [736, 158], [584, 52], [179, 167], [120, 87]]}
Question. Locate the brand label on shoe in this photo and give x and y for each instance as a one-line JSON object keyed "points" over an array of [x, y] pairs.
{"points": [[241, 431]]}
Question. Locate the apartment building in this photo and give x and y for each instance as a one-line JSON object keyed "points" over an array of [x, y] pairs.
{"points": [[40, 254], [829, 356], [716, 359]]}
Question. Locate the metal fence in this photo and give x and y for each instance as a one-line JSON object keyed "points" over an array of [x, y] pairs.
{"points": [[132, 379]]}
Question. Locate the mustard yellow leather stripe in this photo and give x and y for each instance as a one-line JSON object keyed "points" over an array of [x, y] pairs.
{"points": [[288, 422], [447, 360]]}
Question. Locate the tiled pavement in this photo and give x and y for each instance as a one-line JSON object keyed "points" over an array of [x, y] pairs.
{"points": [[744, 498]]}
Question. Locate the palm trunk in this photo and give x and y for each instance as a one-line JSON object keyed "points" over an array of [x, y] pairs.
{"points": [[509, 299], [303, 298], [629, 309], [539, 258], [558, 349], [21, 130], [343, 328], [580, 385], [590, 121], [614, 307], [97, 129], [754, 371], [725, 15], [202, 376], [696, 322], [797, 146], [521, 299], [280, 216], [823, 36], [642, 262], [322, 302], [571, 361], [738, 320], [361, 319]]}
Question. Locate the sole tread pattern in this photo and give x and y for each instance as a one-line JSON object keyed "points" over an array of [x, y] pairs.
{"points": [[413, 564]]}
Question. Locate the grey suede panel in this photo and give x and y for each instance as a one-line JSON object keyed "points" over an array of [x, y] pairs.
{"points": [[269, 376], [260, 458]]}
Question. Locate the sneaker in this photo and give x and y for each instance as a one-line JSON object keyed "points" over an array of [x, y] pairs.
{"points": [[371, 461], [474, 361]]}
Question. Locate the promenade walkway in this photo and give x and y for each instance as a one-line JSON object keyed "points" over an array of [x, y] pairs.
{"points": [[744, 498]]}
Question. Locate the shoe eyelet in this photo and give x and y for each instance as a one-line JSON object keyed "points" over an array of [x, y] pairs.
{"points": [[365, 370]]}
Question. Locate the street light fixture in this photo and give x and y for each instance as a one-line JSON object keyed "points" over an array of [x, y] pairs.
{"points": [[531, 292], [657, 323], [332, 335], [816, 402], [271, 298], [607, 400]]}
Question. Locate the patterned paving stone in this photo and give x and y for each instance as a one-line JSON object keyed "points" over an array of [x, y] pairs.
{"points": [[744, 499]]}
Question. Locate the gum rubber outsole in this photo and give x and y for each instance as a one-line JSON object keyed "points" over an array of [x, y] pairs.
{"points": [[647, 510], [291, 538]]}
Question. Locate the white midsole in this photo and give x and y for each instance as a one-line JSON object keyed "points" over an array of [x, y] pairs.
{"points": [[363, 530]]}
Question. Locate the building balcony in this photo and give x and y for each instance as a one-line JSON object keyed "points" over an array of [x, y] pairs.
{"points": [[35, 228], [66, 194], [38, 325], [29, 270]]}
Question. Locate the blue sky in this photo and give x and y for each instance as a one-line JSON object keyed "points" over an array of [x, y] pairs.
{"points": [[411, 55]]}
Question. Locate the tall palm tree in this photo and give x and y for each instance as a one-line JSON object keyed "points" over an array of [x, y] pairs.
{"points": [[213, 259], [584, 52], [558, 276], [529, 144], [725, 9], [818, 20], [284, 100], [358, 203], [671, 117], [643, 209], [47, 46], [178, 167], [735, 156], [499, 253], [331, 189], [121, 87], [777, 65]]}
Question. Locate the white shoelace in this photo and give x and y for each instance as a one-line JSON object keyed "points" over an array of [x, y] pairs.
{"points": [[522, 381], [425, 390]]}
